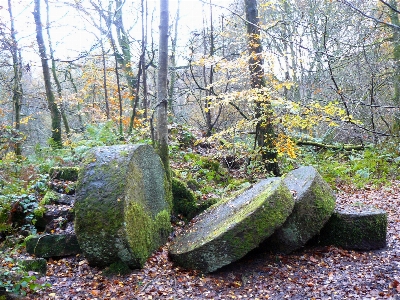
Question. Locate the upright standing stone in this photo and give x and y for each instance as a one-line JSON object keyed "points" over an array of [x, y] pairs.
{"points": [[314, 204], [122, 209]]}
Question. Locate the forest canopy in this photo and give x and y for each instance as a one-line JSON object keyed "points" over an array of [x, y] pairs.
{"points": [[330, 72]]}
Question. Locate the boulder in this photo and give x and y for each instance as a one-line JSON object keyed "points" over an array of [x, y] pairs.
{"points": [[314, 204], [231, 228], [52, 245], [122, 206], [355, 228]]}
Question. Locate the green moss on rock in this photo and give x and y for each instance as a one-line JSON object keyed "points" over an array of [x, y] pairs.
{"points": [[314, 204], [122, 208], [355, 229], [231, 228], [52, 245]]}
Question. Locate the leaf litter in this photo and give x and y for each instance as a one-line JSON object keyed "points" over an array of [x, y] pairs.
{"points": [[310, 273]]}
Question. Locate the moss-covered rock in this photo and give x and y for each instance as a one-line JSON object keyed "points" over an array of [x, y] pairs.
{"points": [[231, 228], [355, 228], [52, 245], [314, 204], [64, 173], [184, 200], [56, 217], [123, 205]]}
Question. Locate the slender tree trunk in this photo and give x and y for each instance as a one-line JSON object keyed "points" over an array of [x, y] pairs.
{"points": [[53, 71], [161, 134], [71, 80], [103, 57], [136, 98], [173, 59], [142, 65], [265, 135], [121, 132], [125, 58], [144, 68], [51, 101], [210, 78], [394, 18], [17, 84]]}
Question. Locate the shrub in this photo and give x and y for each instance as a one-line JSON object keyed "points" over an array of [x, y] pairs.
{"points": [[184, 200]]}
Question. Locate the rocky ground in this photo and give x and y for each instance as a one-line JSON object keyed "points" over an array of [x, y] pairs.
{"points": [[312, 273]]}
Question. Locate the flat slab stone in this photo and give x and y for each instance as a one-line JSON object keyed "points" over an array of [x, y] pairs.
{"points": [[231, 228], [314, 204], [122, 206], [53, 245], [356, 228]]}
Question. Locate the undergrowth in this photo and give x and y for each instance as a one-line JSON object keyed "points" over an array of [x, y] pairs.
{"points": [[375, 165], [25, 180]]}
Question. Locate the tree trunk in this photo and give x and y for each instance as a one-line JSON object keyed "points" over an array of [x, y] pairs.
{"points": [[173, 59], [53, 71], [54, 111], [394, 18], [103, 58], [121, 132], [17, 85], [265, 135], [125, 57], [161, 134]]}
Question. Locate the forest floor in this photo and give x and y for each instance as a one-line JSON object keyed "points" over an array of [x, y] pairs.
{"points": [[312, 273]]}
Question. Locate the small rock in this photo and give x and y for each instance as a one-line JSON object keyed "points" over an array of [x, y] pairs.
{"points": [[355, 228], [53, 245]]}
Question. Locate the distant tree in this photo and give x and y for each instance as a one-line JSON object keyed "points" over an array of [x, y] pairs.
{"points": [[51, 101], [17, 90], [54, 71]]}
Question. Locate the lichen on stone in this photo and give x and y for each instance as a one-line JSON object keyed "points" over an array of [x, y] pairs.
{"points": [[230, 229], [314, 204], [122, 205]]}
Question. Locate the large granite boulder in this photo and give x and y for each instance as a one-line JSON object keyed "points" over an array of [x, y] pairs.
{"points": [[231, 228], [122, 207], [355, 228], [314, 204]]}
